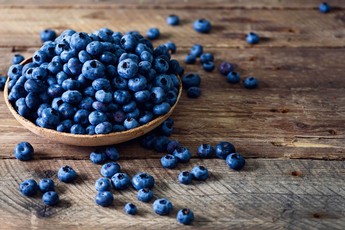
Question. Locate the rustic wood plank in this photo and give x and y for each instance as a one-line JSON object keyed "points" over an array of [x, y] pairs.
{"points": [[278, 194], [248, 4], [297, 112], [278, 28]]}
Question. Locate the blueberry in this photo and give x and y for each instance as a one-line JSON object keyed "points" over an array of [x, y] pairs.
{"points": [[143, 180], [233, 77], [161, 109], [130, 123], [190, 80], [2, 82], [194, 92], [225, 68], [79, 41], [252, 38], [67, 174], [112, 153], [90, 130], [190, 59], [74, 65], [103, 96], [208, 66], [172, 145], [145, 195], [129, 42], [104, 198], [157, 95], [17, 59], [93, 69], [84, 56], [120, 181], [101, 84], [122, 97], [134, 114], [39, 73], [162, 206], [224, 148], [54, 90], [127, 68], [130, 209], [153, 33], [15, 71], [120, 83], [161, 143], [65, 126], [196, 50], [148, 141], [173, 20], [50, 198], [72, 96], [183, 154], [169, 161], [81, 117], [94, 48], [66, 110], [51, 116], [185, 177], [171, 97], [98, 157], [206, 151], [137, 83], [324, 7], [199, 172], [130, 107], [250, 83], [104, 128], [235, 161], [28, 187], [103, 184], [24, 151], [166, 128], [160, 65], [206, 57], [202, 25], [171, 47], [119, 116], [118, 128], [164, 81], [46, 185], [146, 56], [109, 169], [185, 216], [97, 117], [47, 35]]}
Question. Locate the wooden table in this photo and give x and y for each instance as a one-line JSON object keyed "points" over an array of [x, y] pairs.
{"points": [[291, 129]]}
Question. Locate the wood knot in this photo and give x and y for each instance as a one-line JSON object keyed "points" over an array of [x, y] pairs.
{"points": [[296, 173]]}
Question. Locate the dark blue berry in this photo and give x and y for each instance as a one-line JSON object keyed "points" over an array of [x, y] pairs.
{"points": [[112, 153], [129, 42], [206, 57], [120, 181], [17, 59], [104, 128], [160, 65], [202, 25], [153, 33], [50, 198], [28, 187], [97, 117], [46, 185], [2, 82], [172, 145], [79, 41], [173, 20], [235, 161], [208, 66], [166, 128], [324, 7], [143, 180], [206, 151], [183, 154], [98, 157], [196, 50], [171, 47], [224, 148], [161, 143], [137, 83], [94, 48], [252, 38], [250, 83], [190, 59], [145, 195], [110, 168], [199, 172], [130, 209], [161, 109], [104, 198], [185, 216], [103, 184], [190, 80], [67, 174], [148, 141], [47, 35], [127, 68], [130, 123], [169, 161], [93, 69], [225, 68], [185, 177], [233, 77], [145, 117], [65, 126], [194, 92], [162, 206]]}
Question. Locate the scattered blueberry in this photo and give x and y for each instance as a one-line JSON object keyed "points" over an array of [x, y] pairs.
{"points": [[98, 157], [112, 153], [190, 59], [46, 185], [143, 180], [28, 187], [225, 68], [202, 25], [166, 128], [224, 148], [17, 59], [160, 143], [104, 198], [162, 206], [205, 151], [199, 172], [252, 38], [153, 33], [172, 145], [250, 83], [120, 181], [206, 57], [190, 80], [145, 195], [110, 168], [24, 151], [67, 174], [185, 216], [324, 7], [169, 161], [196, 50], [235, 161], [185, 177], [194, 92], [182, 154], [233, 77], [130, 209], [208, 66], [173, 20], [50, 198], [2, 82], [103, 184], [171, 47]]}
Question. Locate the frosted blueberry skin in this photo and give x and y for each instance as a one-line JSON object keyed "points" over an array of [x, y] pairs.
{"points": [[199, 172], [252, 38], [162, 206], [104, 198], [206, 151], [130, 209], [67, 174], [183, 154], [324, 7], [110, 169], [169, 161], [185, 216], [202, 26], [185, 177], [250, 83], [50, 198], [233, 77], [28, 187], [235, 161], [24, 151], [143, 180], [121, 181], [103, 184], [46, 185], [145, 195], [173, 20]]}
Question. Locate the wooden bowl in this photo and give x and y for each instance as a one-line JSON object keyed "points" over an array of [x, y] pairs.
{"points": [[87, 140]]}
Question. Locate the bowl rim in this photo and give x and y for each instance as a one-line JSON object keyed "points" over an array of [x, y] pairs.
{"points": [[138, 131]]}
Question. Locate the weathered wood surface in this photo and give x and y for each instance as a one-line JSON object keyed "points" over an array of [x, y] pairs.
{"points": [[274, 194], [297, 113]]}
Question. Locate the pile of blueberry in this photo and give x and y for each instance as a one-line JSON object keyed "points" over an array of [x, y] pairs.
{"points": [[206, 59], [95, 83]]}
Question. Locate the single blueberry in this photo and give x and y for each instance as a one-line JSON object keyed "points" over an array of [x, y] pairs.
{"points": [[225, 68], [190, 59], [17, 59], [130, 209], [104, 198], [97, 117], [103, 184], [196, 50], [143, 180], [252, 38], [162, 206], [206, 57], [194, 92], [250, 83], [199, 172], [47, 35], [94, 48], [185, 216], [98, 157], [173, 20], [109, 169], [104, 128], [171, 47], [324, 7], [67, 174], [28, 187], [161, 109], [130, 123], [145, 195], [166, 128], [161, 143], [120, 181], [153, 33], [172, 145], [235, 161], [233, 77], [208, 66], [224, 148], [50, 198], [202, 26], [206, 151], [169, 161], [183, 154], [190, 80], [77, 129], [112, 153], [185, 177], [46, 185]]}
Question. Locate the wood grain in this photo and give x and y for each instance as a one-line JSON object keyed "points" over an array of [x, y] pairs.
{"points": [[278, 194], [302, 28]]}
